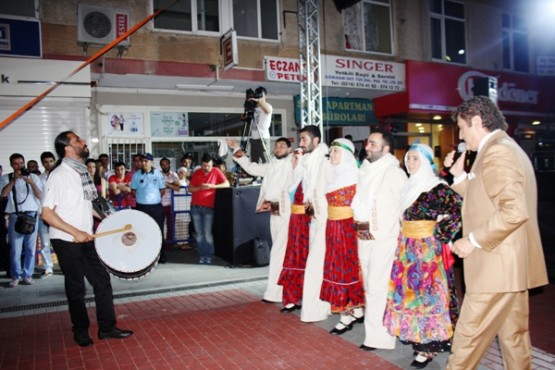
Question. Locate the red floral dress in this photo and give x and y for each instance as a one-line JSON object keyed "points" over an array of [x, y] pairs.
{"points": [[342, 286], [294, 263]]}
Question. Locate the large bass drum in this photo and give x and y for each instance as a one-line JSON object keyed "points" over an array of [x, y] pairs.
{"points": [[129, 254]]}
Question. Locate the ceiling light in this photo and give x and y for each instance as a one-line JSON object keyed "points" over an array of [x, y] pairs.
{"points": [[535, 123], [436, 117], [461, 51], [418, 124]]}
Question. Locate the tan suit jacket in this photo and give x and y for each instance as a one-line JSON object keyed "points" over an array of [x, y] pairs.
{"points": [[500, 209]]}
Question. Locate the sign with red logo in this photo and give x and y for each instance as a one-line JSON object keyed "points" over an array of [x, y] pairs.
{"points": [[122, 23], [229, 49]]}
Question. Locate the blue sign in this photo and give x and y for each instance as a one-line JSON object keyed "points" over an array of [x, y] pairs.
{"points": [[343, 111], [20, 38]]}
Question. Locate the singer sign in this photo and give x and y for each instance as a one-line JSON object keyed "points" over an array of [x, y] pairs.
{"points": [[342, 72]]}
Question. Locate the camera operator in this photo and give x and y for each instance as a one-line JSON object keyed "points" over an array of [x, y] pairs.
{"points": [[260, 125]]}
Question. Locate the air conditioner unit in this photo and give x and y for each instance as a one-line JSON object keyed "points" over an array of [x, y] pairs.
{"points": [[99, 25]]}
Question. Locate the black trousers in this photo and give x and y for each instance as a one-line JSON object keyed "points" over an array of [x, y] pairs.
{"points": [[156, 211], [79, 261]]}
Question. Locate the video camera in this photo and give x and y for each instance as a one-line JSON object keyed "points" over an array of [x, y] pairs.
{"points": [[250, 105]]}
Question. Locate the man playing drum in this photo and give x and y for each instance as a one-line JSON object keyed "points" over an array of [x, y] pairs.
{"points": [[67, 208]]}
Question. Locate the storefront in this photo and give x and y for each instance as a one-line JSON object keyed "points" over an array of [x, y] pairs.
{"points": [[433, 90]]}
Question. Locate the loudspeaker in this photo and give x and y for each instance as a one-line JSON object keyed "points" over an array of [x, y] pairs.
{"points": [[486, 86], [236, 224]]}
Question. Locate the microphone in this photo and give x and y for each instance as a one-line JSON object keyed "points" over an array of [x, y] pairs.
{"points": [[461, 148]]}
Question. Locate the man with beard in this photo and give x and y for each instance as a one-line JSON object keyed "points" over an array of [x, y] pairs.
{"points": [[377, 209], [67, 208], [172, 183], [311, 173], [48, 162], [273, 197]]}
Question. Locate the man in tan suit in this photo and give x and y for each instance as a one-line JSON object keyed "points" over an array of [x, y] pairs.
{"points": [[501, 247]]}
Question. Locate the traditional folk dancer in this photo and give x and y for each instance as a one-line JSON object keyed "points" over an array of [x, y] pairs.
{"points": [[342, 286], [273, 197], [377, 209], [422, 306]]}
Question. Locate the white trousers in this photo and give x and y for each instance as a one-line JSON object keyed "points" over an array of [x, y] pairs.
{"points": [[279, 227]]}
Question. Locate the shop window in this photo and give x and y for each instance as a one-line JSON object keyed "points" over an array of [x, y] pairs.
{"points": [[248, 17], [367, 26], [515, 44], [448, 31]]}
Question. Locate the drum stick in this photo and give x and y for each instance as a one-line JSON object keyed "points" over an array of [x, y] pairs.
{"points": [[110, 232]]}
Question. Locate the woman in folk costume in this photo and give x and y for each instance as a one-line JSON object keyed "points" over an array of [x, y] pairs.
{"points": [[422, 306], [342, 286], [296, 252]]}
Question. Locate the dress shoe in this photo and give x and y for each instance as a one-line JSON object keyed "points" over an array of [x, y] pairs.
{"points": [[366, 348], [421, 361], [358, 320], [82, 339], [267, 301], [346, 328], [116, 333], [290, 309]]}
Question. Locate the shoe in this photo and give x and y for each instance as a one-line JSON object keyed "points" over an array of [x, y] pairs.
{"points": [[46, 274], [346, 328], [115, 333], [366, 348], [293, 308], [83, 339], [28, 281], [14, 283], [202, 261], [358, 320], [421, 361]]}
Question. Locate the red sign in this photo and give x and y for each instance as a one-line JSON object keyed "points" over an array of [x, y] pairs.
{"points": [[122, 22], [438, 87]]}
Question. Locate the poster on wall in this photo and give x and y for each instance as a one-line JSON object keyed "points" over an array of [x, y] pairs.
{"points": [[169, 124], [121, 123]]}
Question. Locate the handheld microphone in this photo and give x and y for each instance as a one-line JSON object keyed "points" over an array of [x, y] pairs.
{"points": [[461, 148]]}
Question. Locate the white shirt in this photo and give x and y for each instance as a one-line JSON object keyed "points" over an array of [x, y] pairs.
{"points": [[170, 177], [26, 200], [263, 121], [64, 194]]}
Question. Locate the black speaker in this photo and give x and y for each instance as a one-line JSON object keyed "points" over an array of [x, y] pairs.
{"points": [[236, 224], [486, 86]]}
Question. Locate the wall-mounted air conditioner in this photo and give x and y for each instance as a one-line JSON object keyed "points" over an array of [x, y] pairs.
{"points": [[99, 25]]}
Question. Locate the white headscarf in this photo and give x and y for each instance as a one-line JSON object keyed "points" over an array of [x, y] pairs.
{"points": [[346, 172], [423, 180]]}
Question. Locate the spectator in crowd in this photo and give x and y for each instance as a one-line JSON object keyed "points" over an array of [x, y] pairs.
{"points": [[48, 162], [342, 285], [182, 175], [422, 306], [119, 186], [104, 166], [172, 183], [377, 209], [67, 208], [203, 186], [137, 165], [184, 219], [4, 246], [230, 176], [187, 162], [94, 168], [148, 186], [260, 126], [33, 167], [24, 192]]}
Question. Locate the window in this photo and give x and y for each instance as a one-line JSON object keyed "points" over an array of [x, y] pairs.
{"points": [[188, 15], [21, 8], [515, 44], [251, 19], [448, 34], [368, 26], [257, 19]]}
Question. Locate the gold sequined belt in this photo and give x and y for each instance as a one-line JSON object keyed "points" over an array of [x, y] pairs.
{"points": [[418, 229], [339, 213], [297, 209]]}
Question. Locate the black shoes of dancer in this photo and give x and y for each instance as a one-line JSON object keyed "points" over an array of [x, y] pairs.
{"points": [[115, 333], [366, 348], [346, 327], [286, 309], [421, 361]]}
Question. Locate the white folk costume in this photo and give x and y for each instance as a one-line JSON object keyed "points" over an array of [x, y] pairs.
{"points": [[276, 176], [315, 168], [378, 202]]}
